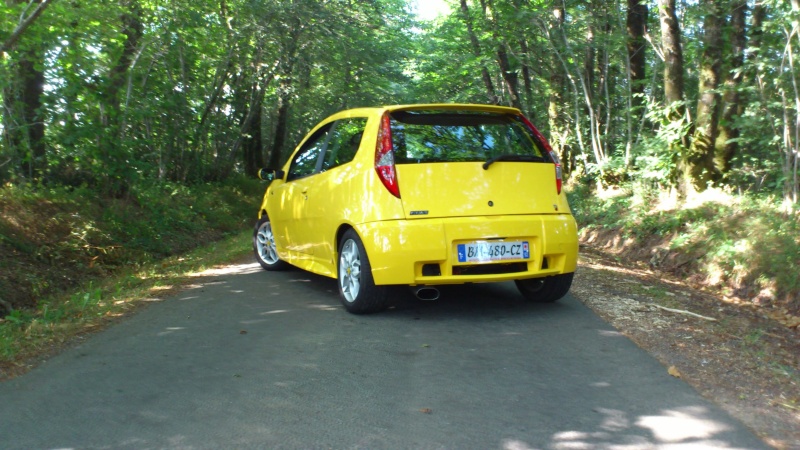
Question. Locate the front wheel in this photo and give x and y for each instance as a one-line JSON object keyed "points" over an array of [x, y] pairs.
{"points": [[357, 289], [545, 290], [264, 246]]}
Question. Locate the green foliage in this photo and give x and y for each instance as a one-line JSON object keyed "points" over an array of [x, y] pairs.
{"points": [[205, 84], [58, 317], [53, 237], [740, 242], [69, 257]]}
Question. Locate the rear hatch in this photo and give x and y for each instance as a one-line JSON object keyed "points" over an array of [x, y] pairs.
{"points": [[435, 190], [472, 163]]}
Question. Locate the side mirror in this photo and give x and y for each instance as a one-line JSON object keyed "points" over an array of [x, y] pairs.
{"points": [[270, 175]]}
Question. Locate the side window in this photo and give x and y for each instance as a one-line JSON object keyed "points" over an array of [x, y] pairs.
{"points": [[305, 161], [344, 142]]}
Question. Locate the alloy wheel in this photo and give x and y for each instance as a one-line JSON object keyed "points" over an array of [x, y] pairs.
{"points": [[350, 270], [265, 244]]}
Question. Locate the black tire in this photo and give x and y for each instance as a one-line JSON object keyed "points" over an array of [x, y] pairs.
{"points": [[264, 246], [357, 289], [545, 290]]}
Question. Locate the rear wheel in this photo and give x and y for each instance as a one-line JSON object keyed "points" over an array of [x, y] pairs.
{"points": [[357, 288], [264, 246], [545, 290]]}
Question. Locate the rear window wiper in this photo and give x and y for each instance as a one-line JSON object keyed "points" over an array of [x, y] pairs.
{"points": [[511, 157]]}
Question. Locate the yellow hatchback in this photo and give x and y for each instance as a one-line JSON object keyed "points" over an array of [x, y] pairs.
{"points": [[421, 195]]}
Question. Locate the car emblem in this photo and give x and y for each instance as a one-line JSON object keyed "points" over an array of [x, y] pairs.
{"points": [[419, 213]]}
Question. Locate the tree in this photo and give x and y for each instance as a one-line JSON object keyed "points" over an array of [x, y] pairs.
{"points": [[727, 145], [478, 53], [636, 25], [22, 112], [673, 87], [699, 160], [509, 75], [195, 91], [117, 181], [558, 132]]}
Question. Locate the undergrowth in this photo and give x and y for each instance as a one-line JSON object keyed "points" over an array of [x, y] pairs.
{"points": [[745, 246], [61, 247]]}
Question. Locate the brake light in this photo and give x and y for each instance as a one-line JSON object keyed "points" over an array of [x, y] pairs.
{"points": [[384, 157], [557, 160], [548, 149]]}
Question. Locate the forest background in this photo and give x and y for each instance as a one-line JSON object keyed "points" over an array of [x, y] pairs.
{"points": [[132, 130]]}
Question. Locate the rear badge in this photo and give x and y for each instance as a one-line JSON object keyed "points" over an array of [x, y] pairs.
{"points": [[419, 213]]}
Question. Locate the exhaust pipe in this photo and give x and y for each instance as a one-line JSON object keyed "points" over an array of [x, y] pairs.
{"points": [[427, 293]]}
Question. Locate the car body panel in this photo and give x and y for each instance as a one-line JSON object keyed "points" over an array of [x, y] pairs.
{"points": [[399, 249], [460, 189]]}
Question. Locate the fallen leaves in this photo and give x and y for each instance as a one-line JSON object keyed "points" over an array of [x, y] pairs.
{"points": [[785, 318], [674, 371]]}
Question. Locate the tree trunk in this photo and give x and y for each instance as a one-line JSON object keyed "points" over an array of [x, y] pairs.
{"points": [[132, 28], [253, 156], [673, 86], [110, 112], [26, 133], [700, 167], [673, 55], [637, 45], [476, 50], [590, 53], [23, 122], [510, 77], [726, 145], [281, 123], [530, 108], [555, 102]]}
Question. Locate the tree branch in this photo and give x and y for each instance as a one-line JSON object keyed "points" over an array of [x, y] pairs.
{"points": [[688, 313], [23, 25]]}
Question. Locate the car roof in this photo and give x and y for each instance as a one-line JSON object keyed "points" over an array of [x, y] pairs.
{"points": [[455, 106], [368, 111]]}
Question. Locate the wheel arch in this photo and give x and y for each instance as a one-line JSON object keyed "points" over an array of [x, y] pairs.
{"points": [[343, 228]]}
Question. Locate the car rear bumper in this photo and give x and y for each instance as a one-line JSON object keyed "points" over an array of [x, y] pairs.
{"points": [[425, 251]]}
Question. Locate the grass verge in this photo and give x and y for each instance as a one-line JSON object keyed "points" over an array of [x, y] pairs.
{"points": [[71, 261], [746, 248], [26, 334]]}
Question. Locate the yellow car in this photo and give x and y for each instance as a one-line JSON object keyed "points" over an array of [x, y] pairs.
{"points": [[421, 195]]}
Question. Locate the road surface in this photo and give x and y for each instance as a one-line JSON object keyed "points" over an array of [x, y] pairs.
{"points": [[253, 359]]}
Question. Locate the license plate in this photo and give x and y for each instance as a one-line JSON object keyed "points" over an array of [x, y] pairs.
{"points": [[489, 251]]}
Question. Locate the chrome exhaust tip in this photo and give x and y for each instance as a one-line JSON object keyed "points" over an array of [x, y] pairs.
{"points": [[427, 293]]}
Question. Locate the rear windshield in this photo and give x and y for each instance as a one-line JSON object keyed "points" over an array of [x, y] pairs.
{"points": [[451, 136]]}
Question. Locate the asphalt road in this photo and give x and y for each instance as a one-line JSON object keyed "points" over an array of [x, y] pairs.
{"points": [[251, 359]]}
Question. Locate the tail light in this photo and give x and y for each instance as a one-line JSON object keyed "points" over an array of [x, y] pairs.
{"points": [[384, 157], [553, 155], [557, 160]]}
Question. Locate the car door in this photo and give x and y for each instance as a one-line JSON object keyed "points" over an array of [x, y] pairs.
{"points": [[288, 206], [325, 206]]}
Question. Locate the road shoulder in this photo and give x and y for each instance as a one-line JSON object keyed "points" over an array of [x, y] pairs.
{"points": [[731, 353]]}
